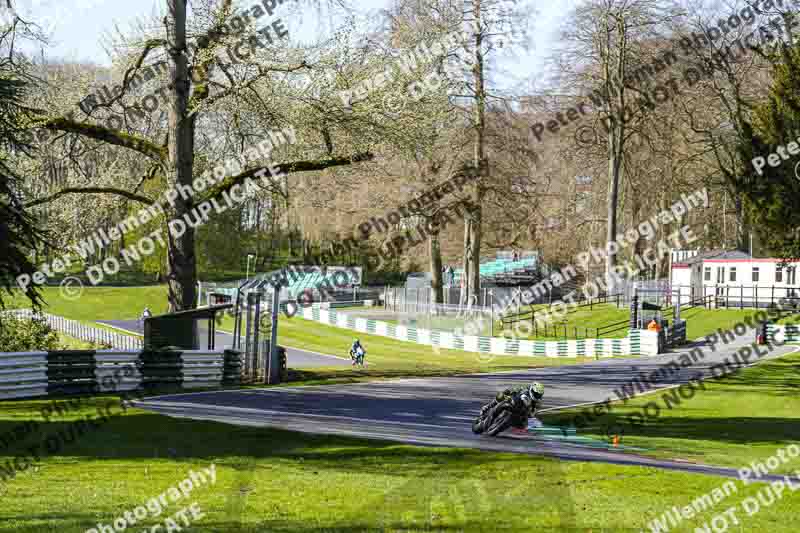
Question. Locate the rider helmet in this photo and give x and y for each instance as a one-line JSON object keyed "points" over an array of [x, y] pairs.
{"points": [[536, 390]]}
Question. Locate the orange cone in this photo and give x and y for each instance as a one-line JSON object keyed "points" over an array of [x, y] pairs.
{"points": [[615, 440]]}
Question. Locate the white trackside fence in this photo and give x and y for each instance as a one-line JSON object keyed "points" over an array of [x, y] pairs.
{"points": [[638, 342], [80, 331]]}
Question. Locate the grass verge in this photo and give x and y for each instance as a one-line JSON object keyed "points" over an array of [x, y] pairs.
{"points": [[271, 480], [393, 358], [730, 422], [99, 303]]}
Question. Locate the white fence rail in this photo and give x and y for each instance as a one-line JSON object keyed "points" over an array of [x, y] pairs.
{"points": [[82, 332]]}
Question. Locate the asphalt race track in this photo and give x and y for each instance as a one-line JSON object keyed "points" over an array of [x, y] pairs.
{"points": [[295, 358], [439, 411]]}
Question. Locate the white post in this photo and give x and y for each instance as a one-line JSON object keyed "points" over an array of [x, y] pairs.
{"points": [[491, 315]]}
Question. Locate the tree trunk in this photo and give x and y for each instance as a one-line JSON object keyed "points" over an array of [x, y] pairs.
{"points": [[611, 226], [181, 260], [435, 252], [474, 215], [616, 135], [742, 229]]}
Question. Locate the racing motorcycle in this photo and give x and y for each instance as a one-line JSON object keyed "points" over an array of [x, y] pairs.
{"points": [[504, 415], [358, 356]]}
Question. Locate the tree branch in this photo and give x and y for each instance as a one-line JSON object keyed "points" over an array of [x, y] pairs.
{"points": [[107, 135], [285, 168], [126, 80], [91, 190], [205, 98]]}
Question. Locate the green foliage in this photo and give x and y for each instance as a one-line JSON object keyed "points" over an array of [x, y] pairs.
{"points": [[25, 335], [773, 199], [18, 233], [221, 243], [384, 277]]}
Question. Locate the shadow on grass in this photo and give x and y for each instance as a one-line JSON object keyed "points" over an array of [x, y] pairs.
{"points": [[414, 478], [743, 402], [315, 376], [728, 430]]}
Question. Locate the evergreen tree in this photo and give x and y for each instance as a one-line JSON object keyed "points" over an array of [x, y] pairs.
{"points": [[773, 192], [18, 232]]}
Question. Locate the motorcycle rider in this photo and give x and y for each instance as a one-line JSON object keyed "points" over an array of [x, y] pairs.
{"points": [[357, 356], [524, 400]]}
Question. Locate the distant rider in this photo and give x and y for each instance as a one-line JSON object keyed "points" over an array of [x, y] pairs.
{"points": [[524, 400], [357, 353], [146, 313]]}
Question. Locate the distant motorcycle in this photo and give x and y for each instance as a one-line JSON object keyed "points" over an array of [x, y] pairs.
{"points": [[358, 356]]}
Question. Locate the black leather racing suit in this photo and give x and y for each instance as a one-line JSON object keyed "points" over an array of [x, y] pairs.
{"points": [[523, 405]]}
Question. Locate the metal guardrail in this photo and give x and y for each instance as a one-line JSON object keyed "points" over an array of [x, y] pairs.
{"points": [[31, 374]]}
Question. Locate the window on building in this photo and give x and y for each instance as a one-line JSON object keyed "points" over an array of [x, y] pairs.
{"points": [[733, 274], [790, 275], [720, 274], [755, 274], [778, 275], [707, 274]]}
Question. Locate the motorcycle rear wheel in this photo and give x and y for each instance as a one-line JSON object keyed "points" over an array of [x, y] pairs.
{"points": [[501, 423]]}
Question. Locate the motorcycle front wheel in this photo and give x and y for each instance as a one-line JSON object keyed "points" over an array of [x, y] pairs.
{"points": [[479, 426]]}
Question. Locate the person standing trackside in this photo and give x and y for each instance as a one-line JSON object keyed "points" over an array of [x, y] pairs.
{"points": [[145, 314]]}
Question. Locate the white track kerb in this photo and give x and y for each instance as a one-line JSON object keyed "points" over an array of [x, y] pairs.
{"points": [[157, 505]]}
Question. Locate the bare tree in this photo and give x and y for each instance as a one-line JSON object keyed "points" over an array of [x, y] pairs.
{"points": [[605, 44], [194, 88]]}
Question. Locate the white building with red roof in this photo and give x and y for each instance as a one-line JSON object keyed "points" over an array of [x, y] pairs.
{"points": [[735, 277]]}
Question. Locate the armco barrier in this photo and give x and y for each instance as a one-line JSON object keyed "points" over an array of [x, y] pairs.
{"points": [[23, 374], [638, 342], [31, 374]]}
